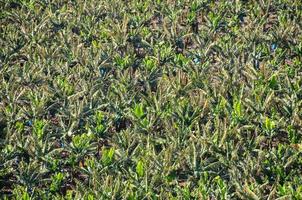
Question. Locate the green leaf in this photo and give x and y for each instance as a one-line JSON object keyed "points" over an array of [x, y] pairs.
{"points": [[99, 116], [237, 110], [100, 128], [57, 180], [25, 196], [149, 63], [138, 111], [269, 124], [273, 83], [90, 197], [107, 156], [38, 128], [81, 142], [140, 168]]}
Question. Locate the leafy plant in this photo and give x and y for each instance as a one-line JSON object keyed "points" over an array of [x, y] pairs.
{"points": [[65, 86], [107, 156], [56, 182], [100, 126], [38, 128], [81, 143], [150, 99], [138, 111], [140, 170], [269, 125]]}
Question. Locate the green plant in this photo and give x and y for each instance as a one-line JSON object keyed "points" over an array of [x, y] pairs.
{"points": [[150, 99], [140, 170], [269, 125], [107, 156], [100, 126], [39, 128], [81, 143], [139, 111], [56, 182], [65, 86]]}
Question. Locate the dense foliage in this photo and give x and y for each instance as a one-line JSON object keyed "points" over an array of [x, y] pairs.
{"points": [[151, 99]]}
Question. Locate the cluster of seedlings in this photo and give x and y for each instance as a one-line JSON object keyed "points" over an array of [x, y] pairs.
{"points": [[153, 99]]}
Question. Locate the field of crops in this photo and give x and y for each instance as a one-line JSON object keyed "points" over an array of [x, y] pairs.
{"points": [[153, 99]]}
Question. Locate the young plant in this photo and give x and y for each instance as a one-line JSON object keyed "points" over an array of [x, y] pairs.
{"points": [[122, 62], [237, 113], [107, 156], [81, 143], [100, 125], [269, 126], [56, 182], [38, 128], [138, 111], [150, 63], [65, 86], [140, 169]]}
